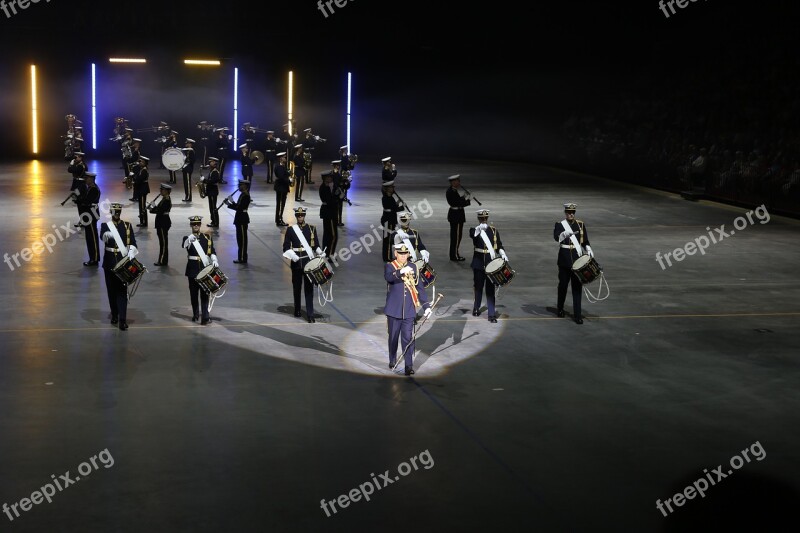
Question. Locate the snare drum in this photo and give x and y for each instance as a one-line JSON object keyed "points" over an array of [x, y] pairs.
{"points": [[499, 271], [586, 268], [425, 272], [318, 271], [128, 270], [173, 159], [211, 279]]}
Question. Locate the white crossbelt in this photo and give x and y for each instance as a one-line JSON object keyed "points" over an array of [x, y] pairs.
{"points": [[200, 252], [488, 244], [303, 241], [114, 233], [572, 237]]}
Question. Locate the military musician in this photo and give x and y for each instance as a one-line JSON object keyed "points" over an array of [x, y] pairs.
{"points": [[241, 219], [299, 245], [455, 215], [271, 154], [200, 248], [487, 243], [282, 186], [389, 172], [404, 296], [247, 162], [212, 190], [120, 242], [163, 223], [328, 212], [223, 145], [409, 236], [299, 172], [88, 203], [188, 168], [172, 142], [141, 188], [132, 161], [391, 206], [572, 239]]}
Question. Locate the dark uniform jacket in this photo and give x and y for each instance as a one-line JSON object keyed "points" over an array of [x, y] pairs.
{"points": [[88, 200], [282, 183], [241, 218], [457, 204], [194, 266], [141, 183], [114, 256], [212, 181], [247, 164], [567, 256], [413, 237], [329, 208], [161, 211], [290, 240], [299, 168], [390, 210], [399, 302], [481, 259], [387, 174], [77, 170], [189, 161]]}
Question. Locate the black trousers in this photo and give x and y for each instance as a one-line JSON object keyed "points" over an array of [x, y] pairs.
{"points": [[143, 210], [173, 176], [187, 184], [298, 279], [194, 289], [270, 168], [479, 280], [117, 295], [163, 245], [241, 241], [339, 217], [92, 241], [298, 186], [330, 235], [565, 277], [308, 173], [280, 205], [456, 228], [388, 251], [212, 209], [221, 167]]}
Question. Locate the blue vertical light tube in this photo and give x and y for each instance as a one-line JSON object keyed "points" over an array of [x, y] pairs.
{"points": [[235, 107], [349, 101], [94, 109]]}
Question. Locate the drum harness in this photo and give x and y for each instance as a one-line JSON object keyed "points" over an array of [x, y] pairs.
{"points": [[488, 244], [323, 297], [124, 249], [591, 298], [204, 259], [413, 252]]}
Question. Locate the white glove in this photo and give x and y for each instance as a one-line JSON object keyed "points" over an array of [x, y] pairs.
{"points": [[425, 255], [130, 174], [406, 270], [321, 253], [503, 254], [480, 227], [214, 260], [565, 234], [202, 178], [401, 234], [191, 239], [589, 249], [132, 251], [107, 236], [427, 312], [467, 197], [292, 256]]}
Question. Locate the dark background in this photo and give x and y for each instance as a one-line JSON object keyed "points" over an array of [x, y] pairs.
{"points": [[479, 80]]}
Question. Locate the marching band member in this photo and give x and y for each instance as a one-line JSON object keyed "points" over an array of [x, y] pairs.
{"points": [[389, 173], [116, 289], [309, 145], [241, 219], [212, 190], [404, 295], [223, 144], [188, 168], [87, 203], [77, 167], [194, 265], [136, 145], [141, 188], [282, 186], [487, 243], [347, 163], [247, 162], [163, 223], [567, 255], [299, 172], [270, 154], [338, 187], [389, 218], [172, 142], [298, 241], [328, 212], [456, 216], [406, 233]]}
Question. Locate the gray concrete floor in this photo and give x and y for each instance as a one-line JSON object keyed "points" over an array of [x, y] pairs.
{"points": [[533, 422]]}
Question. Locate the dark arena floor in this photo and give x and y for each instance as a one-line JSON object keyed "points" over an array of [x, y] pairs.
{"points": [[681, 381]]}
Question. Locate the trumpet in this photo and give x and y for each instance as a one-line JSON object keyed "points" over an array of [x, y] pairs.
{"points": [[72, 195], [476, 200]]}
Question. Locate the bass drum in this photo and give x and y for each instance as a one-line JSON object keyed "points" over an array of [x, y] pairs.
{"points": [[173, 159]]}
